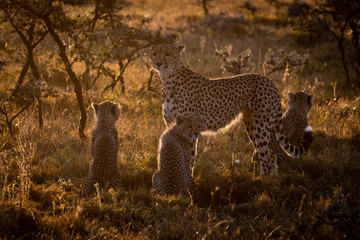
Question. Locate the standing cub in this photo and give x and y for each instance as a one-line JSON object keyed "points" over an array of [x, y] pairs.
{"points": [[103, 168], [175, 150]]}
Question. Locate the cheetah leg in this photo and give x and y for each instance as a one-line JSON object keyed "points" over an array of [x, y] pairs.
{"points": [[276, 149], [89, 187], [264, 153], [248, 122], [115, 182], [278, 153]]}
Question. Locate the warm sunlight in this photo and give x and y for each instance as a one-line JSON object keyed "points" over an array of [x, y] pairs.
{"points": [[192, 119]]}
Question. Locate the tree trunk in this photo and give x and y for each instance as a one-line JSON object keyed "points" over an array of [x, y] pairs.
{"points": [[343, 60], [122, 82], [36, 73], [72, 75], [204, 5], [86, 76], [356, 44], [23, 72], [355, 37], [40, 107], [340, 42], [121, 76]]}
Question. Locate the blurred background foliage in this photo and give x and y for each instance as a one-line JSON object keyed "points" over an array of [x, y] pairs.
{"points": [[56, 57]]}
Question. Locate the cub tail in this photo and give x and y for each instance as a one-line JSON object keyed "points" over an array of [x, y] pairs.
{"points": [[294, 151]]}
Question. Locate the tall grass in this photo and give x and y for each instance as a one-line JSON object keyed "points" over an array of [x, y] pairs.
{"points": [[315, 197]]}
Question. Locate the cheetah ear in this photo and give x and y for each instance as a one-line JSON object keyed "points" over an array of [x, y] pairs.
{"points": [[310, 99], [151, 47], [291, 97], [118, 109], [181, 48], [95, 106]]}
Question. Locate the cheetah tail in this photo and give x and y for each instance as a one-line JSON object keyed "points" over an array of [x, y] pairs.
{"points": [[294, 151]]}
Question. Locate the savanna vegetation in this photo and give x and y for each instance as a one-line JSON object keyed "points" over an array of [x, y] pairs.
{"points": [[57, 57]]}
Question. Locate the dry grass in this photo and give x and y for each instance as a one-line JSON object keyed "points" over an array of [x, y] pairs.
{"points": [[315, 197]]}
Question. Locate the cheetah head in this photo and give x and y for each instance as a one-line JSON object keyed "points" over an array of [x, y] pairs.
{"points": [[107, 109], [166, 57], [301, 101], [190, 126]]}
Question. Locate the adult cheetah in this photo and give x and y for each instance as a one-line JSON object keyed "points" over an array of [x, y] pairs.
{"points": [[175, 146], [104, 168], [221, 101], [295, 123]]}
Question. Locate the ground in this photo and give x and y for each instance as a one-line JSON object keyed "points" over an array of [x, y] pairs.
{"points": [[314, 197]]}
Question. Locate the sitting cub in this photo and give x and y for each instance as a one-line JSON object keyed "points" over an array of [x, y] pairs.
{"points": [[103, 168], [175, 150]]}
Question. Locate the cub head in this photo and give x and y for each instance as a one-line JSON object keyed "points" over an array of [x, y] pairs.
{"points": [[301, 100], [166, 57], [106, 109], [190, 126]]}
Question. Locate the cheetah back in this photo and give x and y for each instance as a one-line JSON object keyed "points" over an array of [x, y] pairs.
{"points": [[103, 167]]}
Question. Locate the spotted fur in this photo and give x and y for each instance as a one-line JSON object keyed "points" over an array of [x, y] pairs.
{"points": [[295, 124], [104, 168], [175, 149], [221, 101]]}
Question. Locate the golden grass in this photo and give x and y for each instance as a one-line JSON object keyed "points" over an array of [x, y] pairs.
{"points": [[42, 171]]}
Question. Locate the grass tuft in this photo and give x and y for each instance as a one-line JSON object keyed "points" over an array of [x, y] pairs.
{"points": [[315, 197]]}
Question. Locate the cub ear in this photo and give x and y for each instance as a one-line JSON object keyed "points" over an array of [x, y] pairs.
{"points": [[201, 118], [95, 106], [118, 108], [310, 99], [151, 47], [181, 48], [179, 119], [291, 97]]}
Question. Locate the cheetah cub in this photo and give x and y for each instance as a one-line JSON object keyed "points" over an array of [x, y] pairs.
{"points": [[175, 149], [296, 125], [103, 167]]}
